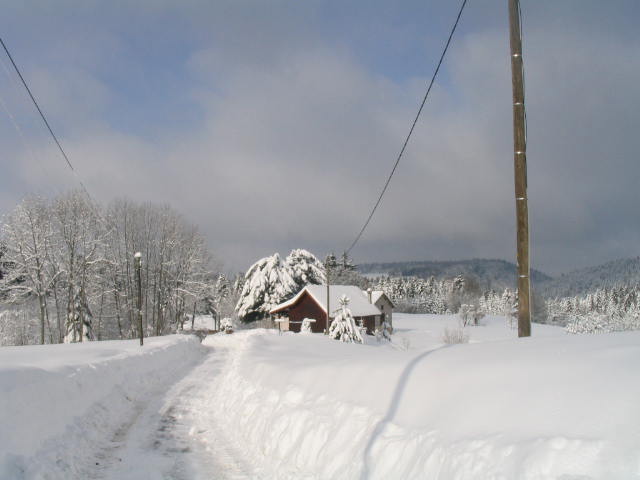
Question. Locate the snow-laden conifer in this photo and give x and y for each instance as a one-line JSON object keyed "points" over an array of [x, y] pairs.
{"points": [[344, 326], [266, 284], [305, 269], [271, 281]]}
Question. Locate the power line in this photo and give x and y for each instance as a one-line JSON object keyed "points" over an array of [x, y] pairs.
{"points": [[413, 125], [44, 119], [92, 204], [35, 158]]}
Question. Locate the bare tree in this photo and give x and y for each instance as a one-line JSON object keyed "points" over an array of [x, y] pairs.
{"points": [[27, 236], [72, 254]]}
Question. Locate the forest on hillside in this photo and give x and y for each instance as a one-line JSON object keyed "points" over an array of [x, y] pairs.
{"points": [[494, 274]]}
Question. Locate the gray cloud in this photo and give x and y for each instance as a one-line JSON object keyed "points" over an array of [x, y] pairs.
{"points": [[283, 134]]}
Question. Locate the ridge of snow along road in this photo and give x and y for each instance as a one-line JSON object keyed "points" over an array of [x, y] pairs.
{"points": [[61, 403], [548, 407]]}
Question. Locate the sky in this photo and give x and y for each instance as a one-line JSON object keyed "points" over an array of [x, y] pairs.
{"points": [[274, 124]]}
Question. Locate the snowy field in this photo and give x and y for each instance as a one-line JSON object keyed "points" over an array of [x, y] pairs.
{"points": [[554, 406], [256, 404]]}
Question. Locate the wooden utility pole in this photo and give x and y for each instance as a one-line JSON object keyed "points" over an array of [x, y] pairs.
{"points": [[137, 258], [520, 169], [326, 330]]}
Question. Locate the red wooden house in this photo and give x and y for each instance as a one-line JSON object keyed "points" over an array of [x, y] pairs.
{"points": [[311, 302]]}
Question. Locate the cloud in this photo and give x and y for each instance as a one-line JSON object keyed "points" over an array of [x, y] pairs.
{"points": [[271, 134]]}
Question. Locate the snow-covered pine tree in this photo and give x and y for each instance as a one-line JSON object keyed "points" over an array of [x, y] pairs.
{"points": [[344, 272], [305, 269], [330, 262], [271, 281], [266, 283], [346, 262], [344, 326]]}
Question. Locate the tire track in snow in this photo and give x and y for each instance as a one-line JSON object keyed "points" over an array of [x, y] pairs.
{"points": [[175, 436]]}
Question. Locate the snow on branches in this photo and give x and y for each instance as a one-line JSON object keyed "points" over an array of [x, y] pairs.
{"points": [[344, 326], [271, 281], [71, 261]]}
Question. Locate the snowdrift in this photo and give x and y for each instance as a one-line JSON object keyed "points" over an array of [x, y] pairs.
{"points": [[59, 404], [553, 407]]}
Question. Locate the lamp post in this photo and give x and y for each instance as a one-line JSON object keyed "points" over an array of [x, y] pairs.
{"points": [[137, 260]]}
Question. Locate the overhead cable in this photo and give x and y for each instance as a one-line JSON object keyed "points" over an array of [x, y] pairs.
{"points": [[413, 125]]}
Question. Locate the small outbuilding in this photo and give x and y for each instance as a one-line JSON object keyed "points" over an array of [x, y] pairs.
{"points": [[311, 302], [384, 304]]}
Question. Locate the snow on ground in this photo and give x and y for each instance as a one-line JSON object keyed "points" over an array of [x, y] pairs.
{"points": [[60, 404], [201, 322], [259, 405], [554, 406], [420, 331]]}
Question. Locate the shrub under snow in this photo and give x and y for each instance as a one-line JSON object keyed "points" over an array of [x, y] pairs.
{"points": [[306, 326], [452, 336]]}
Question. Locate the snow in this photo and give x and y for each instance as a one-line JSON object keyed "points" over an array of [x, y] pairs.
{"points": [[375, 295], [201, 322], [261, 405], [270, 281], [548, 407], [61, 403], [358, 301], [424, 331]]}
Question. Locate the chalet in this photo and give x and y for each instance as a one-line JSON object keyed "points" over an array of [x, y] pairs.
{"points": [[368, 308]]}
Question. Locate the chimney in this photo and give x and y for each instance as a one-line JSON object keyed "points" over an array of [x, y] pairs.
{"points": [[369, 294]]}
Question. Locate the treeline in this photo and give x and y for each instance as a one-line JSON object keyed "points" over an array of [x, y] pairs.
{"points": [[604, 310], [489, 273], [416, 295], [72, 261], [625, 271]]}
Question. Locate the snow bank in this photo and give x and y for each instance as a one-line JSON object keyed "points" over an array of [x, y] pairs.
{"points": [[59, 404], [548, 407]]}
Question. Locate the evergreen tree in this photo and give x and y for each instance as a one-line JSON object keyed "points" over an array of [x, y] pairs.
{"points": [[346, 263], [266, 283], [344, 326], [344, 272], [271, 281], [305, 269], [330, 262]]}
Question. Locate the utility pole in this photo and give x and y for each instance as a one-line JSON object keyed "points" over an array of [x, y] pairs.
{"points": [[137, 259], [326, 330], [520, 170]]}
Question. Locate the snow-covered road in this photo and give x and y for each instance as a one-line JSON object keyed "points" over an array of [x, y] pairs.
{"points": [[257, 404], [174, 435]]}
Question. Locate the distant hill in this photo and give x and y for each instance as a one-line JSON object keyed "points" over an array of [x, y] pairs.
{"points": [[491, 273], [624, 271], [499, 274]]}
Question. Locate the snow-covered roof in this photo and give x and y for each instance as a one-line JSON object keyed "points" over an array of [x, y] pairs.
{"points": [[376, 294], [358, 301]]}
